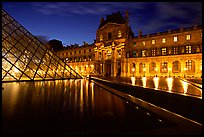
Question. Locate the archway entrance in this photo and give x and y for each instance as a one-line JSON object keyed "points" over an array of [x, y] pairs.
{"points": [[108, 68]]}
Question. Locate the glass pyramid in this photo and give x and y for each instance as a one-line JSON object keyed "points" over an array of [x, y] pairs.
{"points": [[24, 57]]}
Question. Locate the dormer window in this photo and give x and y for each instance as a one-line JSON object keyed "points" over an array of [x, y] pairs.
{"points": [[101, 38], [109, 35], [119, 34]]}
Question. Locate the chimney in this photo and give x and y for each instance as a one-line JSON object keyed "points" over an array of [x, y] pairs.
{"points": [[126, 16], [101, 20], [139, 33]]}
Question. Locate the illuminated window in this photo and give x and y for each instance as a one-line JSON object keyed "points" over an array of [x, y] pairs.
{"points": [[163, 51], [153, 52], [101, 38], [188, 37], [175, 50], [119, 53], [100, 56], [163, 40], [108, 54], [134, 44], [153, 41], [144, 52], [175, 39], [143, 43], [164, 66], [152, 66], [201, 34], [189, 65], [188, 49], [119, 34]]}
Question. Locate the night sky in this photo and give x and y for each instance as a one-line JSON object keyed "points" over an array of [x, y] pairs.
{"points": [[76, 22]]}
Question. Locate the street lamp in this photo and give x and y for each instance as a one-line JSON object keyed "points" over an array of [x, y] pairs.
{"points": [[185, 72], [169, 71], [133, 70], [144, 71]]}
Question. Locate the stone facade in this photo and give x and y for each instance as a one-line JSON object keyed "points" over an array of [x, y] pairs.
{"points": [[117, 52]]}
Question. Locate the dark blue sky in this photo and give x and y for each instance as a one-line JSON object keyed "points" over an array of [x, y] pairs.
{"points": [[76, 22]]}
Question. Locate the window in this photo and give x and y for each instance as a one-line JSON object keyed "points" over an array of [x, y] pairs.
{"points": [[70, 53], [189, 65], [153, 41], [75, 52], [134, 44], [163, 40], [143, 43], [188, 37], [134, 54], [188, 49], [101, 38], [119, 53], [108, 54], [84, 51], [175, 50], [128, 55], [84, 58], [144, 53], [152, 66], [176, 67], [163, 51], [89, 50], [164, 66], [109, 35], [175, 39], [153, 52], [100, 56], [80, 51], [119, 34]]}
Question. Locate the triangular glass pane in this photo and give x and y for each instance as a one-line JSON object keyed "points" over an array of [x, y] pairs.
{"points": [[31, 58]]}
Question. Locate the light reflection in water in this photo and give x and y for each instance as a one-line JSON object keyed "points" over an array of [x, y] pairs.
{"points": [[144, 81], [156, 82], [81, 97], [185, 86], [92, 96], [133, 80], [169, 83]]}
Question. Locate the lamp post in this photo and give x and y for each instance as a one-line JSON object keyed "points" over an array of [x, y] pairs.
{"points": [[185, 72], [144, 71], [133, 70], [169, 72]]}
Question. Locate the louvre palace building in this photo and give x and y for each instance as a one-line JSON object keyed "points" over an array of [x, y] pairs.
{"points": [[117, 52]]}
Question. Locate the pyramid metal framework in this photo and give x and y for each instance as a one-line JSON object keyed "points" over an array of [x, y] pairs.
{"points": [[25, 58]]}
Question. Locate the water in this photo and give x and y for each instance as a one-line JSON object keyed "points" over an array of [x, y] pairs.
{"points": [[71, 107], [172, 85]]}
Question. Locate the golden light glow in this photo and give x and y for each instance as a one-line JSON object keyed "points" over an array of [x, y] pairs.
{"points": [[133, 80], [156, 82], [144, 81], [133, 69], [169, 83], [185, 86]]}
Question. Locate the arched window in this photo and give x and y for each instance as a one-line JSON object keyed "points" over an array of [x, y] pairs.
{"points": [[164, 67], [176, 67], [152, 67]]}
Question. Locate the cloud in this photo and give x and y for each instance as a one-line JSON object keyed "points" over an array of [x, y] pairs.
{"points": [[82, 8]]}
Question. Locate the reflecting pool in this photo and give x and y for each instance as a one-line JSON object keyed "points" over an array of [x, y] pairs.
{"points": [[71, 107]]}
